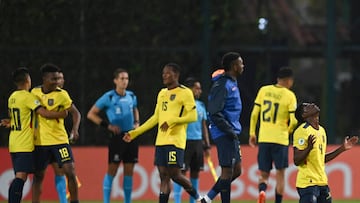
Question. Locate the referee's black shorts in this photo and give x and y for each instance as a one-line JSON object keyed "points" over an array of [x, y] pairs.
{"points": [[194, 155], [119, 150]]}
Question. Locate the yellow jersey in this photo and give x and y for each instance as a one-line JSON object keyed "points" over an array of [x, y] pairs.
{"points": [[52, 131], [312, 171], [22, 105], [177, 108], [276, 106]]}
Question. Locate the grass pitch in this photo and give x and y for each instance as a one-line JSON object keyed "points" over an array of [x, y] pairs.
{"points": [[171, 201]]}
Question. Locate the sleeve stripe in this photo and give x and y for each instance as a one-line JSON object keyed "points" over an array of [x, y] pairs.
{"points": [[181, 111]]}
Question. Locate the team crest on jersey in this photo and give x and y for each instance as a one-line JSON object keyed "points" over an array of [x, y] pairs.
{"points": [[301, 141], [172, 97], [37, 102], [50, 102]]}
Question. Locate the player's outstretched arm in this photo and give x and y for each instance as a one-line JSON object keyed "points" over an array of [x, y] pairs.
{"points": [[127, 137], [348, 144]]}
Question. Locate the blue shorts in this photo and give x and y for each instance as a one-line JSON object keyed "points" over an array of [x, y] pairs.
{"points": [[23, 162], [53, 153], [169, 156], [270, 153], [315, 194], [228, 151]]}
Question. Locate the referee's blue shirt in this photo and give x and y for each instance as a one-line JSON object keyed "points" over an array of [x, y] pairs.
{"points": [[119, 109], [194, 129]]}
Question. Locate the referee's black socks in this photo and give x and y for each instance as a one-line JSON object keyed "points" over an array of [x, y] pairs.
{"points": [[278, 197], [163, 198], [15, 190]]}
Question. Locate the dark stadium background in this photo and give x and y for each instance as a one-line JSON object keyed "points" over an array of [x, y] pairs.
{"points": [[88, 39]]}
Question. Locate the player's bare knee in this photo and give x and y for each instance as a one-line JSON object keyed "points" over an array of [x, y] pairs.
{"points": [[38, 177], [237, 173], [176, 178]]}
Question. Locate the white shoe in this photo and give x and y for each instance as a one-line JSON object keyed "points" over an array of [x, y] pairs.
{"points": [[203, 199], [198, 200]]}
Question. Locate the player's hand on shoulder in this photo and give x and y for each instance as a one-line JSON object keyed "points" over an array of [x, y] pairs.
{"points": [[127, 137], [252, 141], [114, 129]]}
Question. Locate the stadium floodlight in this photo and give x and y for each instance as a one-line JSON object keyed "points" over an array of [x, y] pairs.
{"points": [[262, 24]]}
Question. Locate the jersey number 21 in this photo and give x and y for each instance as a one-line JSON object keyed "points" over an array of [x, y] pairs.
{"points": [[267, 113]]}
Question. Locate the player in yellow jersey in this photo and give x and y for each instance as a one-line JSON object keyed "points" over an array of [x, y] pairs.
{"points": [[22, 108], [310, 155], [175, 108], [51, 141], [60, 178], [276, 105]]}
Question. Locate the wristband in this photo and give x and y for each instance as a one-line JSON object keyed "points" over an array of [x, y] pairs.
{"points": [[104, 124]]}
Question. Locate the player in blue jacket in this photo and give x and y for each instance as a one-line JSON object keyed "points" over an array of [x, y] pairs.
{"points": [[224, 107]]}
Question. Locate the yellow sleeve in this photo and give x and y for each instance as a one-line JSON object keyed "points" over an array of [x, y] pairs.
{"points": [[190, 113], [293, 122], [190, 116], [300, 138], [254, 118], [67, 100], [150, 123]]}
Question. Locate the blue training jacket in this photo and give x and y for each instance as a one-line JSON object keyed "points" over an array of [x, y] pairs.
{"points": [[224, 107]]}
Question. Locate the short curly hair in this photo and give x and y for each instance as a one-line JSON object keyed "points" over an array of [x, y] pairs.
{"points": [[20, 75], [228, 58]]}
